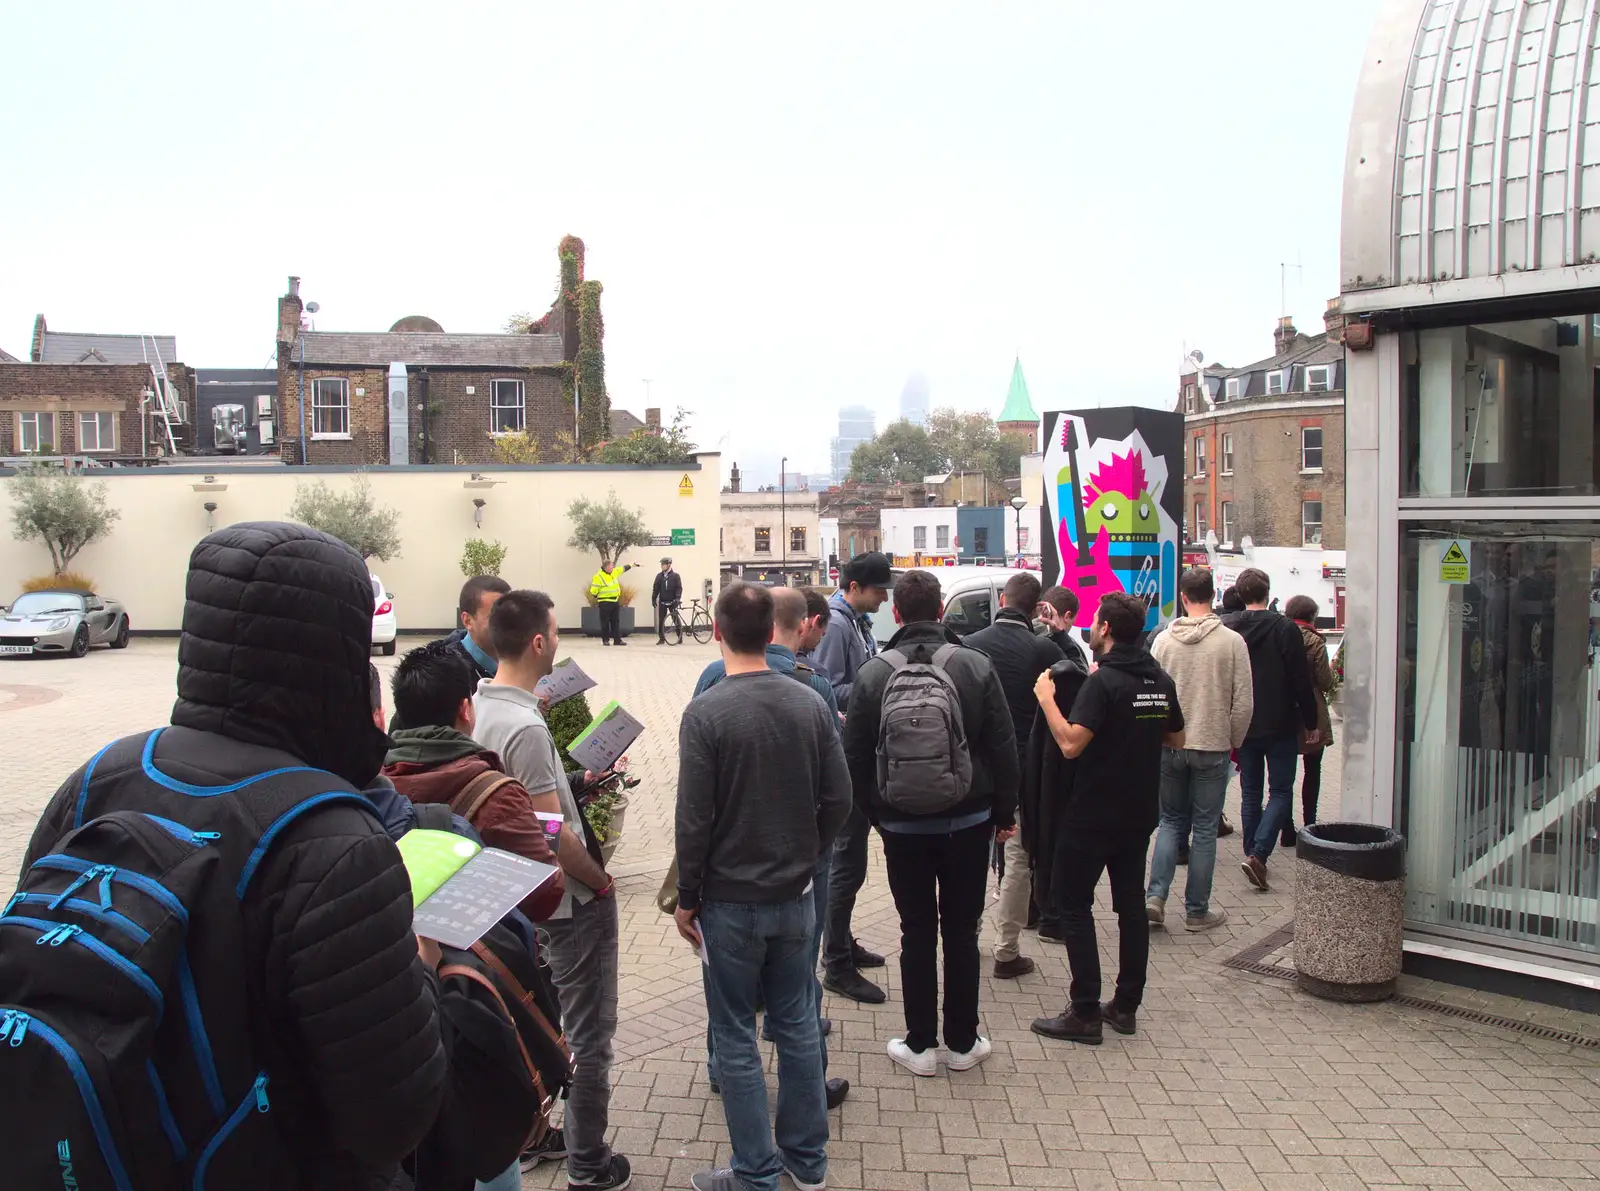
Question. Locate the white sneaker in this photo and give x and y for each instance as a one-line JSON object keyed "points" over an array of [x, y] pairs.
{"points": [[925, 1064], [1155, 909], [804, 1186], [981, 1050]]}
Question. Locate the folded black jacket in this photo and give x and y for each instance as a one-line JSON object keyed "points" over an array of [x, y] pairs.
{"points": [[1047, 791]]}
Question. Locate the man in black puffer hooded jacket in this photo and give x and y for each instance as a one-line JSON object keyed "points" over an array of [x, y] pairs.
{"points": [[311, 974]]}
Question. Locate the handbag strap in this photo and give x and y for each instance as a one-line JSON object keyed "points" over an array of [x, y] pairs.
{"points": [[476, 792], [546, 1101], [502, 973]]}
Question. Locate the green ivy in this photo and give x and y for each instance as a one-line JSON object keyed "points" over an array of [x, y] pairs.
{"points": [[594, 409]]}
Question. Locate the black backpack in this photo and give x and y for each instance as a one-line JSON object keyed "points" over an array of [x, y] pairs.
{"points": [[128, 1056], [499, 977]]}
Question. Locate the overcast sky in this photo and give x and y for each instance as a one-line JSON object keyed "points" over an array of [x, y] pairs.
{"points": [[791, 210]]}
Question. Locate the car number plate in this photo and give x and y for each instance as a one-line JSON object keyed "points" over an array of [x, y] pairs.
{"points": [[18, 649]]}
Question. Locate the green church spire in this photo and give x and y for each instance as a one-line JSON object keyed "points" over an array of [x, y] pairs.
{"points": [[1019, 407]]}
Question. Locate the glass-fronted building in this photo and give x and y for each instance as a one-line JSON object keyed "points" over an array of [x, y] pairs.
{"points": [[1470, 269]]}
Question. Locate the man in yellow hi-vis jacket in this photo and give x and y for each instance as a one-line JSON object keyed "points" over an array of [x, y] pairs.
{"points": [[606, 591]]}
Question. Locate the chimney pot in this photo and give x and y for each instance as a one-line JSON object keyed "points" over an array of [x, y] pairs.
{"points": [[1333, 320], [294, 287], [1283, 338], [734, 479]]}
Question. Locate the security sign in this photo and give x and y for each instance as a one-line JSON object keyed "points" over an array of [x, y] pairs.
{"points": [[1456, 564]]}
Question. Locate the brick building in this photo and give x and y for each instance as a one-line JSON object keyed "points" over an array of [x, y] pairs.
{"points": [[856, 508], [96, 395], [1264, 444], [363, 392]]}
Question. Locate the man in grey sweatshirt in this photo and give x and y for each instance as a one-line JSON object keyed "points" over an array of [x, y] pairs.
{"points": [[762, 790], [1210, 664]]}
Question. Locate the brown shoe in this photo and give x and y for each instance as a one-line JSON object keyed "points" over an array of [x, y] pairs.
{"points": [[1122, 1021], [1255, 872], [1011, 969]]}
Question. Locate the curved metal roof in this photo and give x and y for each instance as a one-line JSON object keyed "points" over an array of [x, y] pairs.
{"points": [[1473, 165]]}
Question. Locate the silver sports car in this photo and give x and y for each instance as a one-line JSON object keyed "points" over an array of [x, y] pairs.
{"points": [[46, 622]]}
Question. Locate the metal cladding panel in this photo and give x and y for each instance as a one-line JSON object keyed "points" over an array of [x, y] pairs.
{"points": [[1489, 147]]}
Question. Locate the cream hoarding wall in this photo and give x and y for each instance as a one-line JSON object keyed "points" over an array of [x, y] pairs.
{"points": [[163, 512]]}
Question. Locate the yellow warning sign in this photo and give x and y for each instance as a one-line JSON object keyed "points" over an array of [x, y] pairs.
{"points": [[1456, 564], [686, 486]]}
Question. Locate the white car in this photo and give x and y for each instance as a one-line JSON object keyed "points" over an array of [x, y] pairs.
{"points": [[384, 626], [971, 598]]}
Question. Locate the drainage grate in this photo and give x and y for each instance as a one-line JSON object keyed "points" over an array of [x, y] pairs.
{"points": [[1249, 960], [1532, 1029]]}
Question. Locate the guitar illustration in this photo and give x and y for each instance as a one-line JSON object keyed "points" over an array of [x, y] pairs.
{"points": [[1085, 569]]}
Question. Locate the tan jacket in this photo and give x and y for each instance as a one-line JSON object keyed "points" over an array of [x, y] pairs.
{"points": [[1210, 664]]}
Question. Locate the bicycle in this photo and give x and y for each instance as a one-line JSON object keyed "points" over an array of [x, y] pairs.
{"points": [[698, 622]]}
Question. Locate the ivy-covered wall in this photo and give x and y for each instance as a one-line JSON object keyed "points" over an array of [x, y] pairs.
{"points": [[594, 407]]}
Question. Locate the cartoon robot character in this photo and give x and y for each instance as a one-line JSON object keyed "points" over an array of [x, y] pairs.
{"points": [[1118, 499]]}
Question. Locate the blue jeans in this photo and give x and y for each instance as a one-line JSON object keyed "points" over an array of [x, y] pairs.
{"points": [[1278, 755], [509, 1179], [819, 904], [755, 952], [1193, 786]]}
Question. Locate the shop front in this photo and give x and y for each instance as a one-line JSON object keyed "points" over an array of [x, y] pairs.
{"points": [[1472, 706]]}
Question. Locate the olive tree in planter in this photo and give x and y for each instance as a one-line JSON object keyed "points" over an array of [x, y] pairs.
{"points": [[61, 510], [351, 516], [607, 528]]}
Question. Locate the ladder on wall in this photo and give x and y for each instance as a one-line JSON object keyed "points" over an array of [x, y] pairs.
{"points": [[166, 400]]}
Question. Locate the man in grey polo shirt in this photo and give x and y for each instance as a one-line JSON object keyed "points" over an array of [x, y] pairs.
{"points": [[583, 930]]}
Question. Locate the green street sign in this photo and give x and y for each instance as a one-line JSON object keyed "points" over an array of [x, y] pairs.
{"points": [[683, 537]]}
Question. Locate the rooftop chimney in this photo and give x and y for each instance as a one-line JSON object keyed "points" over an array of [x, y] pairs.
{"points": [[733, 479], [1333, 320], [652, 420], [294, 287], [1283, 338]]}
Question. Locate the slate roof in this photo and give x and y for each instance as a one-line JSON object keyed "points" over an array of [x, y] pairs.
{"points": [[623, 423], [7, 357], [1307, 349], [71, 347], [425, 347]]}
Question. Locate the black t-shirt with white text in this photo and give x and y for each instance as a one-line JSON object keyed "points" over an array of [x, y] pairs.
{"points": [[1129, 703]]}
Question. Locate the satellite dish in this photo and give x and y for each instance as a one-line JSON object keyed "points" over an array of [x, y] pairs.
{"points": [[312, 307], [1198, 356]]}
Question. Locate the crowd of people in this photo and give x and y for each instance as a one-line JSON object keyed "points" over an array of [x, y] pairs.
{"points": [[1013, 748], [213, 979]]}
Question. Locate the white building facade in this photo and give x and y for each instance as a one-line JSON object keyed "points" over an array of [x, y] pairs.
{"points": [[1471, 289]]}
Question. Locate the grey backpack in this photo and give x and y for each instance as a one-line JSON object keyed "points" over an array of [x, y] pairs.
{"points": [[923, 764]]}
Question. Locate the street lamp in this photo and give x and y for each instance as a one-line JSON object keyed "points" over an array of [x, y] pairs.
{"points": [[1019, 502], [783, 514]]}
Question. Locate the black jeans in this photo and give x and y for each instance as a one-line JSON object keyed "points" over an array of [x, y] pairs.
{"points": [[610, 620], [849, 874], [662, 611], [1079, 864], [1310, 785], [939, 884]]}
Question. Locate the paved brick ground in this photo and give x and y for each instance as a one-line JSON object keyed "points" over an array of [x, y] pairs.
{"points": [[1233, 1081]]}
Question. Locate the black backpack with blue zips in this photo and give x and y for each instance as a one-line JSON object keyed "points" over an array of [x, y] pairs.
{"points": [[129, 1059]]}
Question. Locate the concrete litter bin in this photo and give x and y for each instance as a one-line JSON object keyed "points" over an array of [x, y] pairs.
{"points": [[1349, 910]]}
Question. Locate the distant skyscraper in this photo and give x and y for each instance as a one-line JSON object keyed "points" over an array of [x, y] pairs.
{"points": [[857, 424], [914, 399]]}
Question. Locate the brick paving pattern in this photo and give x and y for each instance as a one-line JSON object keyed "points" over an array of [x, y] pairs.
{"points": [[1233, 1081]]}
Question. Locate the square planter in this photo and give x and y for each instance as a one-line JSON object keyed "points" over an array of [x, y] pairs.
{"points": [[589, 621]]}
